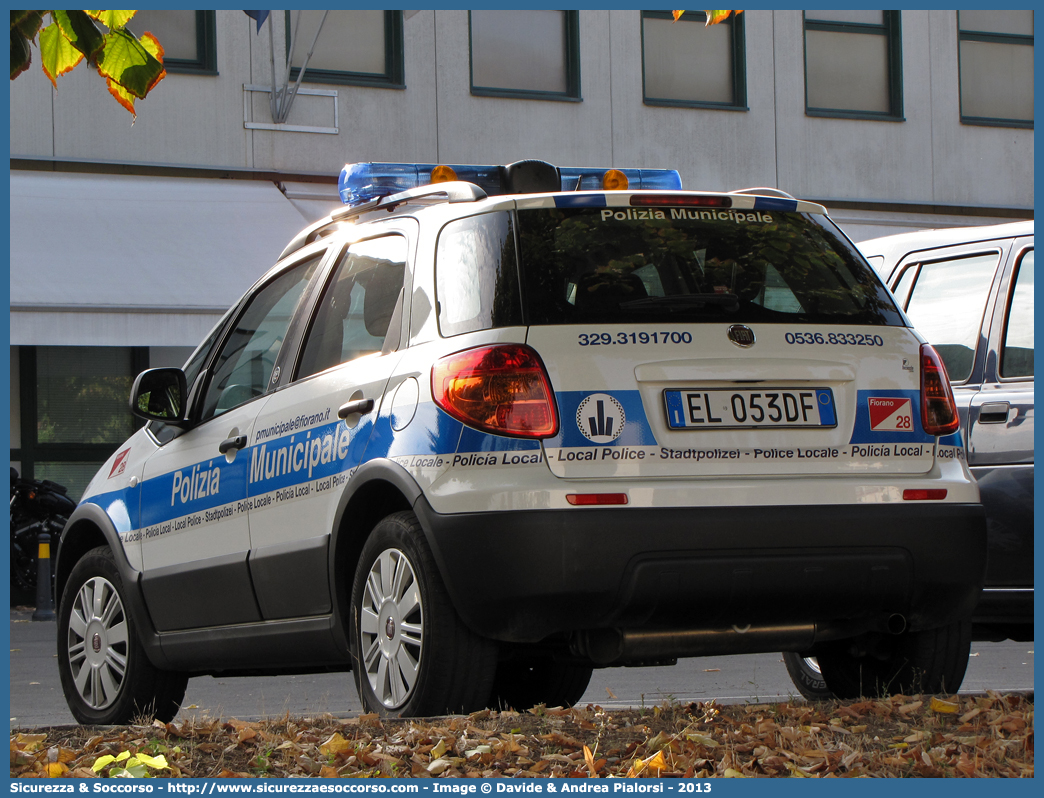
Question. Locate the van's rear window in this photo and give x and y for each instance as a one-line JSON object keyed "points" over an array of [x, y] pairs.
{"points": [[612, 265]]}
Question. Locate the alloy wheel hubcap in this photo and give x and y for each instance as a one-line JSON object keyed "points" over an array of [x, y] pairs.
{"points": [[100, 665], [391, 624]]}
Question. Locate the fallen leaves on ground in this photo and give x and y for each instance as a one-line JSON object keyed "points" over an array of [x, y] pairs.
{"points": [[989, 735]]}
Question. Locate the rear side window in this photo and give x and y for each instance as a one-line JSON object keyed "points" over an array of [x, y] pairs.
{"points": [[611, 266], [1017, 351], [476, 275], [947, 300], [358, 305]]}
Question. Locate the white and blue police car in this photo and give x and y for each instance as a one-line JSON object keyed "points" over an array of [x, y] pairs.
{"points": [[487, 428]]}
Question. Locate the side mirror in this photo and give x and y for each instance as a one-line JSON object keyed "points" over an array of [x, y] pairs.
{"points": [[159, 395]]}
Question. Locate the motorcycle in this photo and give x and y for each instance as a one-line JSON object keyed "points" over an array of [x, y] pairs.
{"points": [[36, 506]]}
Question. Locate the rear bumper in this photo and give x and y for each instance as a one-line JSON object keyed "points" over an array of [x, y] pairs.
{"points": [[526, 575]]}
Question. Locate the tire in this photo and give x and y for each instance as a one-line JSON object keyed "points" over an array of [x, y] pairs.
{"points": [[807, 677], [523, 683], [106, 676], [411, 654], [930, 661]]}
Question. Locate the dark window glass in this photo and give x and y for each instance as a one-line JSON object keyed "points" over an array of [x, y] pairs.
{"points": [[610, 266], [244, 366], [853, 64], [995, 57], [357, 305], [1017, 351], [82, 394], [187, 38], [525, 53], [688, 63], [946, 306], [355, 46], [476, 276]]}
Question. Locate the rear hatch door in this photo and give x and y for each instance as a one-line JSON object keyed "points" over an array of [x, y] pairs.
{"points": [[743, 338]]}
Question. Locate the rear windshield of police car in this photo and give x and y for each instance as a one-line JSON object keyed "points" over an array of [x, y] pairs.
{"points": [[613, 266]]}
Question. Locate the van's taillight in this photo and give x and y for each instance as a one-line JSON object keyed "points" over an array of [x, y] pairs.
{"points": [[938, 409], [500, 389]]}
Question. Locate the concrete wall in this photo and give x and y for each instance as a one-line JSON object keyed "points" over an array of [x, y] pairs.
{"points": [[199, 120]]}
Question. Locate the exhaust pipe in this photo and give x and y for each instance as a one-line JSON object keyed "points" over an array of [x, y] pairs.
{"points": [[896, 624], [615, 646]]}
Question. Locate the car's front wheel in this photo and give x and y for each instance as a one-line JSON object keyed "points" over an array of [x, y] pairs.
{"points": [[929, 661], [106, 676], [411, 654]]}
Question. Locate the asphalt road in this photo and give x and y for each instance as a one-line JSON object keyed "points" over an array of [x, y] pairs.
{"points": [[37, 700]]}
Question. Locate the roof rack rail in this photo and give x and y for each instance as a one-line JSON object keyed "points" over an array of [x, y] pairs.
{"points": [[764, 191], [453, 191], [428, 195]]}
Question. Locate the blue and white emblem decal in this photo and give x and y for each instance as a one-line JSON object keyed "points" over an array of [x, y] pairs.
{"points": [[600, 418]]}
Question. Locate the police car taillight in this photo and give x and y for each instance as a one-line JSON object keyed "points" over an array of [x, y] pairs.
{"points": [[500, 389], [938, 408]]}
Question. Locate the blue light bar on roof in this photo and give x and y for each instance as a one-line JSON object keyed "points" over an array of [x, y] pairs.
{"points": [[364, 182]]}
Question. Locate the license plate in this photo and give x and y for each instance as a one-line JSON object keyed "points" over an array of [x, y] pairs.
{"points": [[750, 409]]}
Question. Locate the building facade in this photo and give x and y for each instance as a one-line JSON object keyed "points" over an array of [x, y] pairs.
{"points": [[128, 241]]}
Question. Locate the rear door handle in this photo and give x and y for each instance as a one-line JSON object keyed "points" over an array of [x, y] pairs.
{"points": [[358, 406], [236, 442], [993, 413]]}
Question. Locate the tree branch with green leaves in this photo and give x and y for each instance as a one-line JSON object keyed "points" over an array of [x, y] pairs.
{"points": [[131, 66]]}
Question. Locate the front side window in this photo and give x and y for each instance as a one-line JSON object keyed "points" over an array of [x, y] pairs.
{"points": [[357, 46], [532, 54], [687, 63], [996, 67], [1017, 349], [476, 275], [605, 266], [188, 38], [853, 64], [947, 300], [358, 305], [243, 368]]}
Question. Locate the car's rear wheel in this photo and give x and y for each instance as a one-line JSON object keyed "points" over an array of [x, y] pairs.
{"points": [[524, 682], [807, 676], [411, 654], [106, 676], [929, 661]]}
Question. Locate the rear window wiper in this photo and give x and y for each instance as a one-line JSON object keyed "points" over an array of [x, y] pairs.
{"points": [[683, 302]]}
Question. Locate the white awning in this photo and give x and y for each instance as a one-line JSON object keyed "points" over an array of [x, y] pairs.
{"points": [[116, 260]]}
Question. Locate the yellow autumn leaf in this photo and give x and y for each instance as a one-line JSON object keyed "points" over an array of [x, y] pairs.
{"points": [[122, 755], [155, 762], [677, 15], [439, 749], [102, 761], [112, 19], [30, 742], [948, 707], [56, 769], [333, 746], [732, 773]]}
